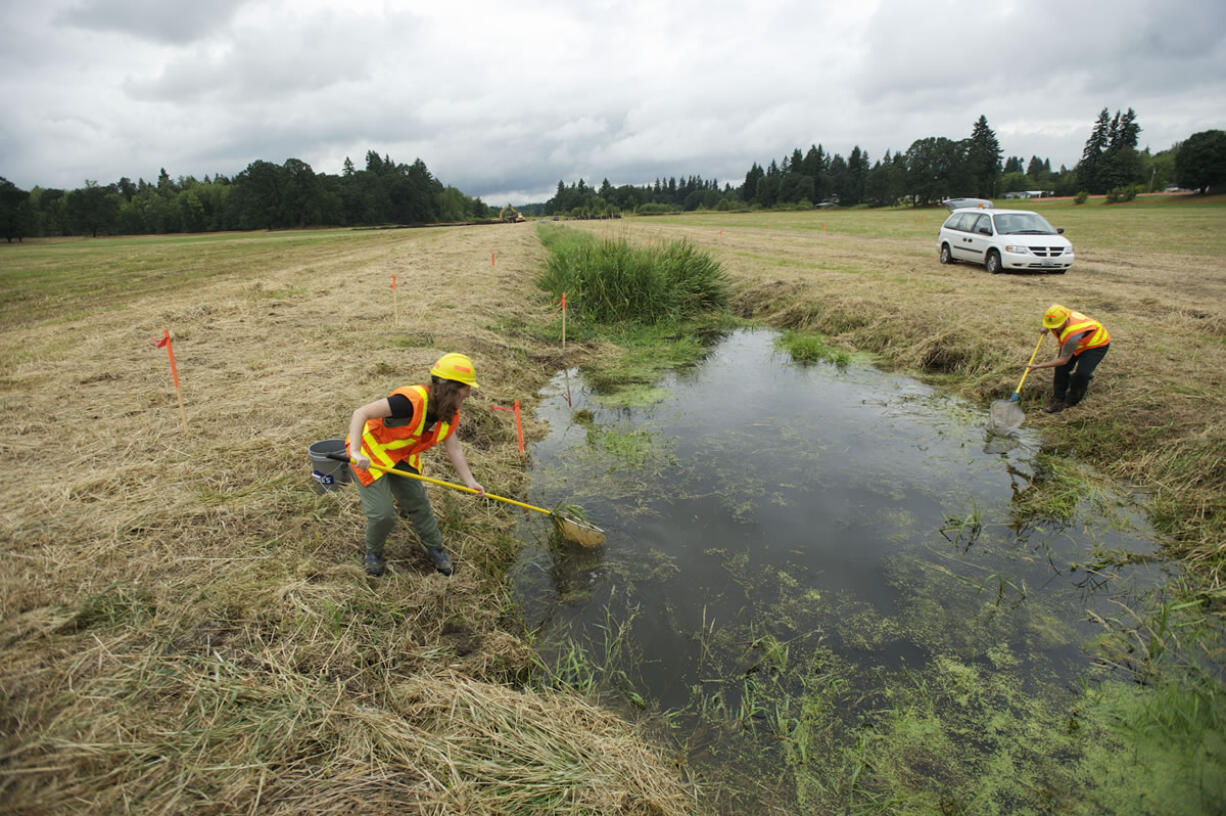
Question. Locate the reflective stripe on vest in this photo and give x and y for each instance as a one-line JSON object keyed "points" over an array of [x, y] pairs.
{"points": [[1092, 339], [387, 445]]}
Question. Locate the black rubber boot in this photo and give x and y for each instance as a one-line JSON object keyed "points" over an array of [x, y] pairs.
{"points": [[374, 564], [1077, 386], [441, 562], [1056, 405]]}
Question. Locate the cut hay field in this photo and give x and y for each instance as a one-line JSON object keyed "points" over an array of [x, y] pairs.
{"points": [[185, 626]]}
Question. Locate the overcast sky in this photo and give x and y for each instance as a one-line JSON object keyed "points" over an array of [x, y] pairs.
{"points": [[504, 99]]}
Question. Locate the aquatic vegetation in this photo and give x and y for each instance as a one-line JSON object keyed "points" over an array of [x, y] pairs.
{"points": [[632, 396], [966, 530], [836, 607], [811, 348], [627, 448]]}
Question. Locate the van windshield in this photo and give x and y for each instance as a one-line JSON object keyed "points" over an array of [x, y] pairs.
{"points": [[1023, 224]]}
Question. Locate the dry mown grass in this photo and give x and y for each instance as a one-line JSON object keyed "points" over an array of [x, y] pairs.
{"points": [[1154, 274], [185, 626]]}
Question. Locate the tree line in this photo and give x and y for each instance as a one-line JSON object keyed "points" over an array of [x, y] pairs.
{"points": [[263, 196], [929, 171], [272, 196]]}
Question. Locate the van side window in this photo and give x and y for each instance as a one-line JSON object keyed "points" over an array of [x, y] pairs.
{"points": [[982, 222]]}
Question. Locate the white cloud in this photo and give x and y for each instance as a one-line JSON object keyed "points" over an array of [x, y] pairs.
{"points": [[503, 100]]}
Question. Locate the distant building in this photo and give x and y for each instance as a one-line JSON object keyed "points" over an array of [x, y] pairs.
{"points": [[1030, 194]]}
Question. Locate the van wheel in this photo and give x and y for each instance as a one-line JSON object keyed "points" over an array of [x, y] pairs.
{"points": [[992, 263], [946, 257]]}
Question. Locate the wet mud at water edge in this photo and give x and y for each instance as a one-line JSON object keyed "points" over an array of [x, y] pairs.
{"points": [[826, 580]]}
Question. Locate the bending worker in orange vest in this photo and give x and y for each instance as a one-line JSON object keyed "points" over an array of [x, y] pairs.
{"points": [[1083, 344], [393, 432]]}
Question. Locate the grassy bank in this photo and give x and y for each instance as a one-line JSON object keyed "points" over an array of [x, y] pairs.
{"points": [[185, 626]]}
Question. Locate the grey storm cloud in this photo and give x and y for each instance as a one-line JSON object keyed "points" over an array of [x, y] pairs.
{"points": [[504, 100], [161, 21]]}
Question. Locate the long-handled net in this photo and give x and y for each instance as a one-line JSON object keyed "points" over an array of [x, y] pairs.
{"points": [[568, 524], [1006, 416]]}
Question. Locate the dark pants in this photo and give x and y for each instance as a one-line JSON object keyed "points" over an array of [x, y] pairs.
{"points": [[379, 502], [1071, 380]]}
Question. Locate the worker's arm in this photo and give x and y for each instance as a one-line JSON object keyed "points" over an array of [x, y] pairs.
{"points": [[456, 454], [357, 423], [1066, 352]]}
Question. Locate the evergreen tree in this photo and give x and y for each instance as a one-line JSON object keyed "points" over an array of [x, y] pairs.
{"points": [[857, 176], [814, 162], [749, 190], [1120, 163], [1089, 169], [817, 165], [165, 186], [840, 183], [796, 165], [1127, 131], [983, 156], [886, 182]]}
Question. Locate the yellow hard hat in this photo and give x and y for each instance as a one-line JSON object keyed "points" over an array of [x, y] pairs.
{"points": [[456, 367], [1055, 316]]}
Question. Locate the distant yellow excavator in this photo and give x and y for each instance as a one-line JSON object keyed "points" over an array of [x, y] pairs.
{"points": [[510, 215]]}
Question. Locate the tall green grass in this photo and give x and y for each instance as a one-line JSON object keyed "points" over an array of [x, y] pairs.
{"points": [[807, 348], [612, 282]]}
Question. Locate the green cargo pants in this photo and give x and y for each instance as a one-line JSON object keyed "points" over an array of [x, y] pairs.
{"points": [[379, 502]]}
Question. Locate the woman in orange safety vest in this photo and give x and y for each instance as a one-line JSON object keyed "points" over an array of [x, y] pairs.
{"points": [[392, 433], [1083, 344]]}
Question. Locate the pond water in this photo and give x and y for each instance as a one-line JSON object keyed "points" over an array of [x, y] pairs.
{"points": [[792, 550]]}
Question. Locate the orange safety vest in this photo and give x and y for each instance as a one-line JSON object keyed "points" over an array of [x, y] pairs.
{"points": [[1092, 339], [387, 444]]}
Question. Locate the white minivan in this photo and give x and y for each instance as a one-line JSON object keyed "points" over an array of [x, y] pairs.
{"points": [[1003, 240]]}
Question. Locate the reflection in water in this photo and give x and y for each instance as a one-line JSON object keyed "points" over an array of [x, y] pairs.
{"points": [[769, 524]]}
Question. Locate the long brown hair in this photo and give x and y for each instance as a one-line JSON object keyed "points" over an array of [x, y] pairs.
{"points": [[444, 398]]}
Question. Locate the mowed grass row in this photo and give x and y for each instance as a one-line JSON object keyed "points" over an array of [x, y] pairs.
{"points": [[1154, 271], [185, 625], [66, 278]]}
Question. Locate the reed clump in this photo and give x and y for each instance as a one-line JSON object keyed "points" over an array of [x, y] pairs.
{"points": [[610, 281]]}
